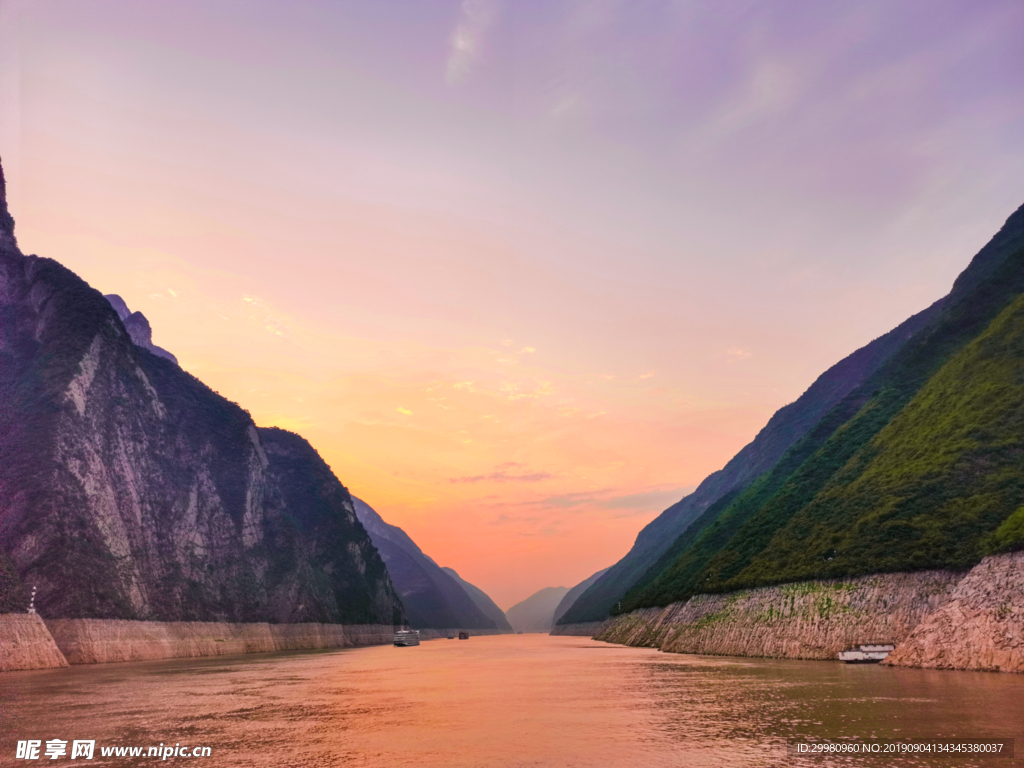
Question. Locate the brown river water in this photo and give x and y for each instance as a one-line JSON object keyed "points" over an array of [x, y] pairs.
{"points": [[513, 700]]}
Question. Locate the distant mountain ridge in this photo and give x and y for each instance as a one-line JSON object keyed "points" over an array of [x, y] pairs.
{"points": [[433, 598], [537, 612]]}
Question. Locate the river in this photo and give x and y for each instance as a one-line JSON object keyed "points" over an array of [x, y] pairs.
{"points": [[512, 700]]}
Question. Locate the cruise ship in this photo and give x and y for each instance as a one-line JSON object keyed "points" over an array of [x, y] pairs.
{"points": [[867, 653], [407, 637]]}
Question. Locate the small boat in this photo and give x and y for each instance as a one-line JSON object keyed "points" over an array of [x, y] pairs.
{"points": [[407, 637], [866, 653], [451, 637], [463, 635]]}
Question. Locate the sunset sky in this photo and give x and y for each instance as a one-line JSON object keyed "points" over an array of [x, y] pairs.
{"points": [[523, 272]]}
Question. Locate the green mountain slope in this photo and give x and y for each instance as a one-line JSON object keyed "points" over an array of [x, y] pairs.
{"points": [[811, 514], [653, 549], [927, 490]]}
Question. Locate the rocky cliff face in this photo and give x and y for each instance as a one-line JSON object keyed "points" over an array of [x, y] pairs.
{"points": [[138, 327], [6, 221], [980, 627], [130, 490]]}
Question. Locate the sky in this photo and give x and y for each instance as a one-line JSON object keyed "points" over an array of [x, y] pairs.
{"points": [[523, 273]]}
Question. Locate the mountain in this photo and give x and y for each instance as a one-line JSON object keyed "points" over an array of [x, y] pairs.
{"points": [[433, 598], [573, 594], [130, 490], [537, 612], [138, 328], [487, 606], [785, 429], [917, 468]]}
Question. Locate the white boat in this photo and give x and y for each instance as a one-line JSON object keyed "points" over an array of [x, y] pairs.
{"points": [[866, 653], [407, 637]]}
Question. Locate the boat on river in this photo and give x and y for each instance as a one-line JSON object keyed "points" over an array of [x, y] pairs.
{"points": [[407, 637], [866, 653], [463, 635]]}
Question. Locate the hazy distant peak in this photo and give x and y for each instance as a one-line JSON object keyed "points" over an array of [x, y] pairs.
{"points": [[537, 612], [138, 327]]}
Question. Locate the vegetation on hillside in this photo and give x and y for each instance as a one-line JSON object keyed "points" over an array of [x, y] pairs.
{"points": [[919, 468], [12, 591]]}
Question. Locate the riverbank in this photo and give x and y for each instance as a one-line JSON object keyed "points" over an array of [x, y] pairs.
{"points": [[936, 619], [582, 629], [28, 642]]}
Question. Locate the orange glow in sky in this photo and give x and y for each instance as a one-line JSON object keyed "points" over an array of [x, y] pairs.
{"points": [[522, 280]]}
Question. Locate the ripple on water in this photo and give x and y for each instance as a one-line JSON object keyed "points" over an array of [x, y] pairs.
{"points": [[515, 700]]}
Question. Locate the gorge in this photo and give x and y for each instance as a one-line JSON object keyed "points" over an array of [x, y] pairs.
{"points": [[157, 520]]}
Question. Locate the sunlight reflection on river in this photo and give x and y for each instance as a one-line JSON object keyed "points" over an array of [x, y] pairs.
{"points": [[513, 700]]}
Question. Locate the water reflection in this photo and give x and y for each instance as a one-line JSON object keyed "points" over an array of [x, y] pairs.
{"points": [[519, 700]]}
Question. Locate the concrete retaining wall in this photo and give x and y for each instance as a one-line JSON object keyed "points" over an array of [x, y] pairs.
{"points": [[25, 643]]}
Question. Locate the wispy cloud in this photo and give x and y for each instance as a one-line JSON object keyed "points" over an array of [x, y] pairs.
{"points": [[259, 312], [503, 476], [628, 504], [475, 19]]}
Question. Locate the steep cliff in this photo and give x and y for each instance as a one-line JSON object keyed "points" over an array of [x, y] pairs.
{"points": [[433, 598], [130, 490], [7, 239]]}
